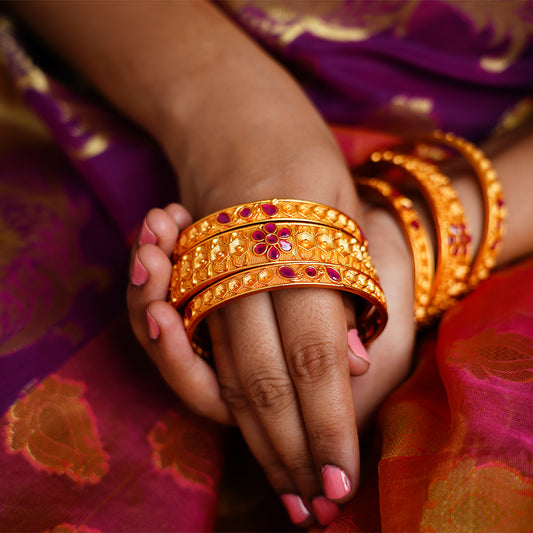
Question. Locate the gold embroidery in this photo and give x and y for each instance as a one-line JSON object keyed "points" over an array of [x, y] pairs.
{"points": [[341, 21], [54, 428], [491, 497], [419, 105]]}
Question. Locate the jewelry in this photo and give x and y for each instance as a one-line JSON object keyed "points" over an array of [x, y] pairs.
{"points": [[260, 244], [494, 205], [264, 211], [453, 237], [416, 236], [371, 318]]}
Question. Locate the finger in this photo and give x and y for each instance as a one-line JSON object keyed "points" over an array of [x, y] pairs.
{"points": [[189, 375], [253, 431], [180, 215], [313, 330], [260, 363], [358, 359], [159, 227]]}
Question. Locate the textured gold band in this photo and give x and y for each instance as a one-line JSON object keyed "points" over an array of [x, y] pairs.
{"points": [[494, 206], [370, 321], [275, 210], [259, 245], [416, 236], [454, 242]]}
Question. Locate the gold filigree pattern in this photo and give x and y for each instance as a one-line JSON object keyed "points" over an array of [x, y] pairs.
{"points": [[508, 356], [490, 497], [182, 445], [258, 245], [54, 428], [454, 247], [370, 322], [264, 211], [417, 238]]}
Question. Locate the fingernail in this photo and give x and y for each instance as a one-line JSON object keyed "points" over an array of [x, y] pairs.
{"points": [[139, 274], [356, 346], [147, 235], [325, 510], [336, 482], [298, 512], [153, 326]]}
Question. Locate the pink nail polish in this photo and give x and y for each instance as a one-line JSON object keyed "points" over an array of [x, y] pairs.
{"points": [[336, 483], [325, 510], [153, 326], [356, 346], [147, 235], [298, 512], [139, 274]]}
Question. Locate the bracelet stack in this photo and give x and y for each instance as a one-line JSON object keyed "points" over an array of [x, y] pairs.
{"points": [[269, 245], [457, 270]]}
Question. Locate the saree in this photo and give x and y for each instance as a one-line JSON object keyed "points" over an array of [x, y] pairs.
{"points": [[93, 440]]}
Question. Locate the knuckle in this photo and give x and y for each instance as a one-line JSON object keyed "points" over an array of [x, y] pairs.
{"points": [[311, 359], [234, 396], [270, 393]]}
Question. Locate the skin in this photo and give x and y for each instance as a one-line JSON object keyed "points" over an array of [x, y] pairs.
{"points": [[236, 128]]}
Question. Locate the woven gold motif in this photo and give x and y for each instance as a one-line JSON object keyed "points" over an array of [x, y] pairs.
{"points": [[371, 320], [258, 245], [416, 236], [454, 242], [269, 210]]}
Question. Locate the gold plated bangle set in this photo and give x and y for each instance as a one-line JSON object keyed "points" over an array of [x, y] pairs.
{"points": [[276, 244]]}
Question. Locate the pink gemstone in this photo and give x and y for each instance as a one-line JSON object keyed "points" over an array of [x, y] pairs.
{"points": [[269, 209], [455, 251], [287, 272], [260, 248], [285, 246], [310, 271], [451, 239], [270, 227], [395, 193], [223, 218], [500, 202], [258, 235], [245, 212], [415, 224], [273, 254], [333, 274], [284, 233], [271, 238]]}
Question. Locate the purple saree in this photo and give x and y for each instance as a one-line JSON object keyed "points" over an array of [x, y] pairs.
{"points": [[93, 439]]}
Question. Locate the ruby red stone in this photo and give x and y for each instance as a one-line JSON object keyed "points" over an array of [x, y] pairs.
{"points": [[311, 271], [269, 209], [271, 238], [284, 233], [270, 227], [273, 254], [415, 224], [451, 239], [245, 212], [285, 246], [333, 274], [500, 202], [260, 248], [223, 218], [258, 235], [287, 272], [188, 312]]}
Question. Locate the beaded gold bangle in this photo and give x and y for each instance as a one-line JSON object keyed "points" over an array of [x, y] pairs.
{"points": [[370, 322], [454, 242], [258, 245], [494, 206], [418, 239], [275, 210]]}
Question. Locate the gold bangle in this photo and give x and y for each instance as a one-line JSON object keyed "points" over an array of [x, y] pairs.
{"points": [[454, 242], [259, 245], [494, 205], [370, 321], [416, 235], [269, 210]]}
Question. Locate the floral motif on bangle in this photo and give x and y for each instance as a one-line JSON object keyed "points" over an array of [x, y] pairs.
{"points": [[458, 239], [272, 241]]}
